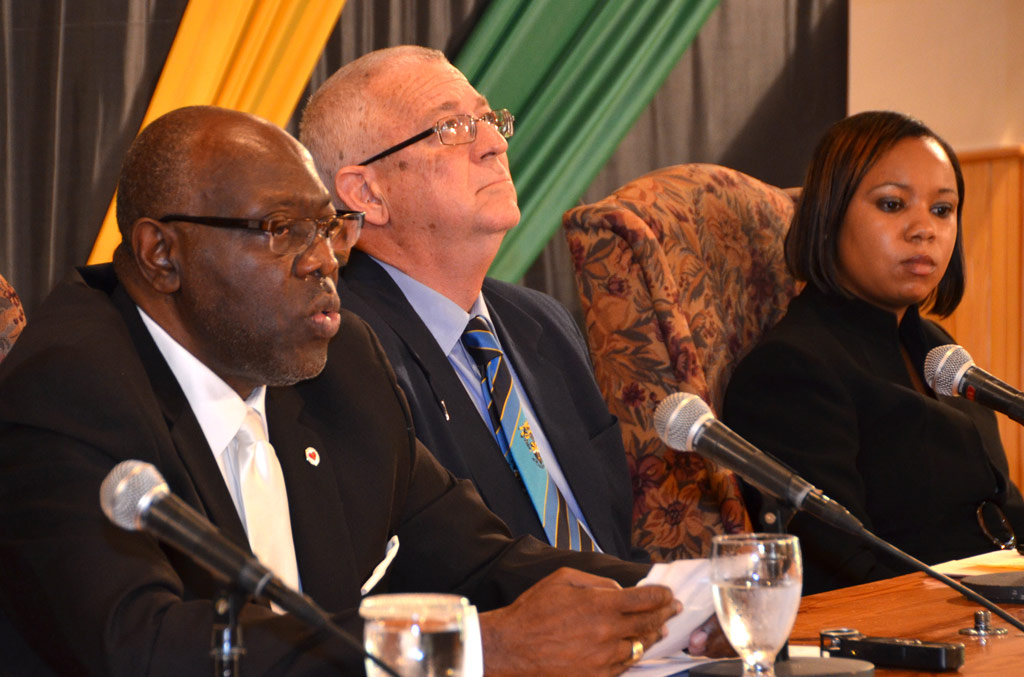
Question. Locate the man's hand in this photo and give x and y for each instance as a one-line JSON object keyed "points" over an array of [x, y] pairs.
{"points": [[709, 640], [571, 623]]}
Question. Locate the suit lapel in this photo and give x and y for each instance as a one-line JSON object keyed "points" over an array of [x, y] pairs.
{"points": [[314, 502], [190, 469], [369, 280]]}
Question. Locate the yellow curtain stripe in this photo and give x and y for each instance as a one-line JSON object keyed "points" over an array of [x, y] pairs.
{"points": [[249, 55]]}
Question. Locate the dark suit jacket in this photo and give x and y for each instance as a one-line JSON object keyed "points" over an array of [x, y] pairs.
{"points": [[86, 387], [550, 357], [827, 391]]}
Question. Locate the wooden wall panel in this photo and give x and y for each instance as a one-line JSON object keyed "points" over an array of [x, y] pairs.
{"points": [[988, 322]]}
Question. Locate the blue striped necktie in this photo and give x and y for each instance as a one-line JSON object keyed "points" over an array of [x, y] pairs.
{"points": [[512, 431]]}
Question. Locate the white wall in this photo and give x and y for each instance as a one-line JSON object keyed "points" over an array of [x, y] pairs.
{"points": [[958, 65]]}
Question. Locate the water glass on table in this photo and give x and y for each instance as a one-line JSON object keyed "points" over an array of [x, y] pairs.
{"points": [[417, 635], [756, 581]]}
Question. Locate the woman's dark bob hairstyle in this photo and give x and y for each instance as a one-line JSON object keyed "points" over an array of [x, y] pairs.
{"points": [[848, 150]]}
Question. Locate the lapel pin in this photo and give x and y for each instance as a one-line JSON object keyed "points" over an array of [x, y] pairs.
{"points": [[312, 456]]}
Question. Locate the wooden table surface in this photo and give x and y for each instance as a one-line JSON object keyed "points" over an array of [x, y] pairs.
{"points": [[914, 607]]}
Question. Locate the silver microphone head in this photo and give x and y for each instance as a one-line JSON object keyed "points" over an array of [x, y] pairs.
{"points": [[127, 491], [944, 366], [678, 419]]}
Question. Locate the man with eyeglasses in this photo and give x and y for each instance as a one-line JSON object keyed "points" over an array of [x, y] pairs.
{"points": [[402, 135], [197, 351]]}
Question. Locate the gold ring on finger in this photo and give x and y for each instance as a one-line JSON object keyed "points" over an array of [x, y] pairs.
{"points": [[638, 650]]}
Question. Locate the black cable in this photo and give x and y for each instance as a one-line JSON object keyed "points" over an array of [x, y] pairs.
{"points": [[921, 566]]}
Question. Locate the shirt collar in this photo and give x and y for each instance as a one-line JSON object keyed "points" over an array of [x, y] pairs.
{"points": [[218, 409], [868, 319], [444, 319], [876, 327]]}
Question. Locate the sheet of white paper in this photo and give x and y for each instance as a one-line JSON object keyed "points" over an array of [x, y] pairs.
{"points": [[986, 563], [390, 550], [804, 651], [689, 580], [664, 667], [473, 645]]}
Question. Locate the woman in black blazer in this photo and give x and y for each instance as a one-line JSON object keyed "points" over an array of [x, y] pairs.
{"points": [[837, 389]]}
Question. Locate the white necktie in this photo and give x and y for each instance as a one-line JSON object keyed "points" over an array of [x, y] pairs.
{"points": [[267, 520]]}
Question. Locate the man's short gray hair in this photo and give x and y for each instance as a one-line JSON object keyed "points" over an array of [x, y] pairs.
{"points": [[344, 120]]}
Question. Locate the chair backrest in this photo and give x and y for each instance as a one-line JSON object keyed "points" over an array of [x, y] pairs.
{"points": [[680, 273], [12, 317]]}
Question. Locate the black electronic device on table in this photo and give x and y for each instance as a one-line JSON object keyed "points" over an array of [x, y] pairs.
{"points": [[893, 652]]}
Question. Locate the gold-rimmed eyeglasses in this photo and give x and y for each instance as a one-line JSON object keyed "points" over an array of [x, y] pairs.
{"points": [[455, 130]]}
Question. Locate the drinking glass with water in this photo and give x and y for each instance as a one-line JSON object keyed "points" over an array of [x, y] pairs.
{"points": [[756, 581], [418, 635]]}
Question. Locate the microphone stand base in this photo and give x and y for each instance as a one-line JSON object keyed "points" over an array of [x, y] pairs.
{"points": [[1001, 588], [794, 667]]}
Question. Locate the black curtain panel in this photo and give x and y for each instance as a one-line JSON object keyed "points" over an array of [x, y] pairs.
{"points": [[77, 78]]}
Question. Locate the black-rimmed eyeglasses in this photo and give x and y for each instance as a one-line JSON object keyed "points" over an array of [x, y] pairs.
{"points": [[290, 236], [455, 130]]}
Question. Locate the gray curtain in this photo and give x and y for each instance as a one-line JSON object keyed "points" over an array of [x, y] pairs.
{"points": [[760, 83], [366, 25]]}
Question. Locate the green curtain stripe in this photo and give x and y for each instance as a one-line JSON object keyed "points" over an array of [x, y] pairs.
{"points": [[577, 74], [516, 53]]}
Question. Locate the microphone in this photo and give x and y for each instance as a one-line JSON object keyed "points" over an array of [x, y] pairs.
{"points": [[683, 421], [950, 371], [134, 496]]}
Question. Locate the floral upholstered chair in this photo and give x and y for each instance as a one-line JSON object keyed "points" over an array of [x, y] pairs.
{"points": [[12, 317], [680, 273]]}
